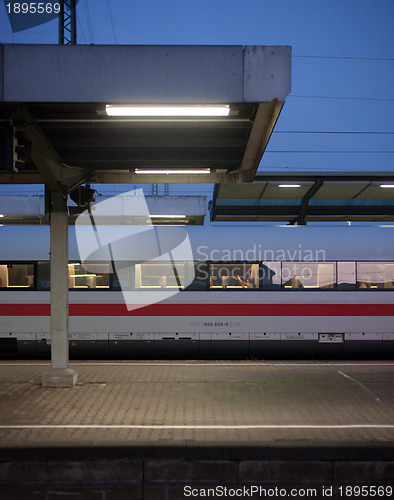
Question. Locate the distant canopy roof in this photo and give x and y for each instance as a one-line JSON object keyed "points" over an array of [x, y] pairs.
{"points": [[302, 197]]}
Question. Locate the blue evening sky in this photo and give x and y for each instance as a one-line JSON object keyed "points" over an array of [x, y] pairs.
{"points": [[342, 66]]}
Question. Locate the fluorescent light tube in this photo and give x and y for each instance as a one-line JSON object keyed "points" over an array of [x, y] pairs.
{"points": [[189, 110], [289, 185], [172, 171], [168, 216], [389, 186]]}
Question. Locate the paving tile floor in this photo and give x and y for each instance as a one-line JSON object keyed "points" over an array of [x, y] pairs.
{"points": [[201, 402]]}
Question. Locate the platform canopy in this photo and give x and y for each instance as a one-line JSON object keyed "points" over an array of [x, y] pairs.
{"points": [[163, 210], [300, 197], [57, 96]]}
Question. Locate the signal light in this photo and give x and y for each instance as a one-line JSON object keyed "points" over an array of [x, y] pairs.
{"points": [[18, 149], [82, 196]]}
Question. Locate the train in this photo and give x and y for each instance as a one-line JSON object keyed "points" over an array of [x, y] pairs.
{"points": [[246, 292]]}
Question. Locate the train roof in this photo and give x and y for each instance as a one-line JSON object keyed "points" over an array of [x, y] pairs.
{"points": [[233, 242], [295, 242]]}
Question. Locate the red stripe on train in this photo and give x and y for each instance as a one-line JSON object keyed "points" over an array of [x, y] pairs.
{"points": [[205, 310]]}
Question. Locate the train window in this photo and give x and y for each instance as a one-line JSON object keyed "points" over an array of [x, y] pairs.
{"points": [[375, 275], [270, 275], [89, 276], [43, 276], [123, 277], [160, 275], [19, 276], [200, 276], [346, 275], [308, 275], [242, 276]]}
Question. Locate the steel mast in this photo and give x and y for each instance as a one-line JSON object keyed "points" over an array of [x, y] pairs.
{"points": [[67, 22]]}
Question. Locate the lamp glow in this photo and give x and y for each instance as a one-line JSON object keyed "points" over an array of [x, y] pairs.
{"points": [[168, 216], [172, 171], [189, 110], [289, 185], [387, 186]]}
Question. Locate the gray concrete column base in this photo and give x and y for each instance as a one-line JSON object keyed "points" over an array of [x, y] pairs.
{"points": [[59, 378]]}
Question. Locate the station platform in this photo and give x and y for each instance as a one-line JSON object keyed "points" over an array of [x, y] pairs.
{"points": [[175, 429]]}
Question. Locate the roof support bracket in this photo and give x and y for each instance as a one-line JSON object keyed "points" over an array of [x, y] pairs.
{"points": [[58, 177], [264, 122], [301, 219]]}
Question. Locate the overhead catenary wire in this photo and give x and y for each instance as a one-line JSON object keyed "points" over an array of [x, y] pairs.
{"points": [[348, 132], [387, 99], [82, 30], [346, 58], [297, 168], [89, 22], [112, 22], [331, 132]]}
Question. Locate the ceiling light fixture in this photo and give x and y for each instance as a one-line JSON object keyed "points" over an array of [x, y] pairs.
{"points": [[190, 171], [168, 216], [387, 186], [187, 110], [289, 185]]}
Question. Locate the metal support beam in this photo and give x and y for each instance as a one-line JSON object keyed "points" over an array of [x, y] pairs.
{"points": [[212, 203], [29, 177], [116, 177], [57, 176], [123, 177], [60, 375], [324, 176], [290, 213], [301, 219]]}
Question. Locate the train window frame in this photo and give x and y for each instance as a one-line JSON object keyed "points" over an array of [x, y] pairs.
{"points": [[372, 288], [346, 287], [281, 287], [162, 279], [122, 283], [204, 284], [233, 288], [40, 265], [20, 288], [299, 285], [270, 287], [95, 289], [200, 281]]}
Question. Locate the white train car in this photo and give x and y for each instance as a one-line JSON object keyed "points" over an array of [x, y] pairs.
{"points": [[252, 292]]}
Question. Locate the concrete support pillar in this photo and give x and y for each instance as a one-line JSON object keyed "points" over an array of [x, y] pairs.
{"points": [[60, 375]]}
